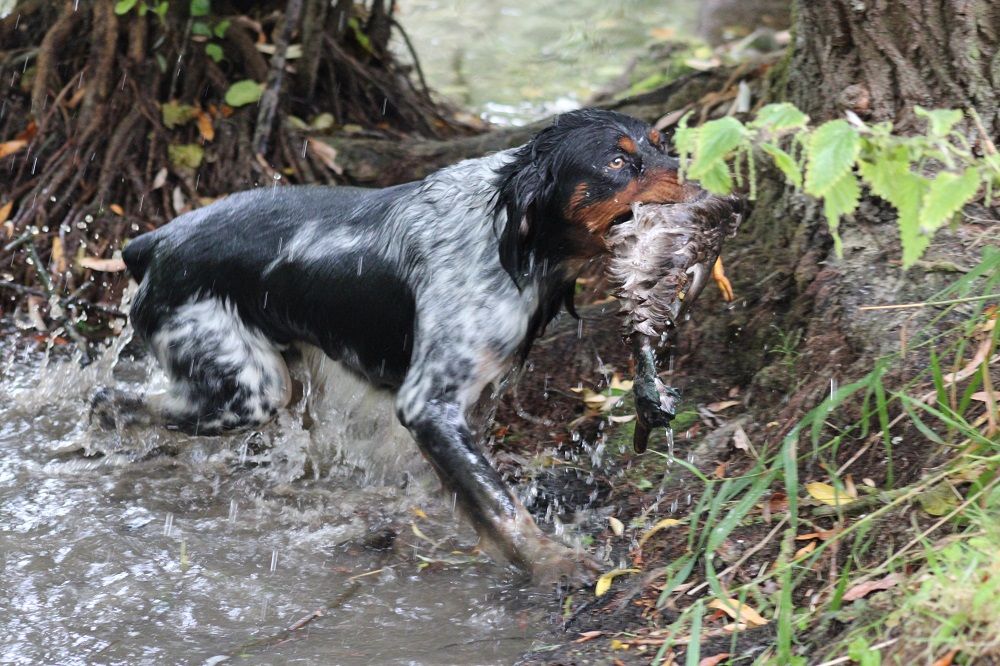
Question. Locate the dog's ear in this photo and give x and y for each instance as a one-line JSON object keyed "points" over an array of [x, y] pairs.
{"points": [[525, 188]]}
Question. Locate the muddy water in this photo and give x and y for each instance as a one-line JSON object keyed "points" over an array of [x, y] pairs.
{"points": [[157, 548]]}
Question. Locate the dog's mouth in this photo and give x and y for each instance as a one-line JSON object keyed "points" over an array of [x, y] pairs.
{"points": [[622, 219]]}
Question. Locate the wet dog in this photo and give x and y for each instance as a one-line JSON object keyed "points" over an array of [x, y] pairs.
{"points": [[430, 290]]}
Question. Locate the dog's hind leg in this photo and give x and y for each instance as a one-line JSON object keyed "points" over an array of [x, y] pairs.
{"points": [[224, 374]]}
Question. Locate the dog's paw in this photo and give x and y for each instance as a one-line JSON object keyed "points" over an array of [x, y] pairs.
{"points": [[111, 409], [552, 562]]}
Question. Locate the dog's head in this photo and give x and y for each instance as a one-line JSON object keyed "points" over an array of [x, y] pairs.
{"points": [[578, 177]]}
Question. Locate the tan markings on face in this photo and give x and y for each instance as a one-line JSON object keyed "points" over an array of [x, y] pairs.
{"points": [[627, 144], [655, 136], [659, 186]]}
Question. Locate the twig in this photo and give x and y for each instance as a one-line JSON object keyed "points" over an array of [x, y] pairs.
{"points": [[270, 99], [413, 54], [65, 300], [746, 556], [901, 306], [844, 660]]}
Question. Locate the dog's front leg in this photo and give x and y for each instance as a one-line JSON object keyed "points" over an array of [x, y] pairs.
{"points": [[440, 429]]}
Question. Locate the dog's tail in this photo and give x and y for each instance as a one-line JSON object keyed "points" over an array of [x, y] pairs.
{"points": [[138, 253]]}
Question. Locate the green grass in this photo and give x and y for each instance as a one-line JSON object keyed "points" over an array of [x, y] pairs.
{"points": [[947, 522]]}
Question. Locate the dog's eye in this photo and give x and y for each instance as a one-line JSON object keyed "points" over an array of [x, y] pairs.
{"points": [[617, 163]]}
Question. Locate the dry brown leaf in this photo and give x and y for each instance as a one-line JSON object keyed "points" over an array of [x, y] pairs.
{"points": [[864, 589], [724, 404], [720, 471], [58, 262], [117, 210], [5, 211], [947, 659], [77, 97], [113, 265], [739, 612], [205, 127], [588, 636], [714, 661], [804, 550], [616, 526], [740, 440], [11, 147], [326, 154], [822, 535]]}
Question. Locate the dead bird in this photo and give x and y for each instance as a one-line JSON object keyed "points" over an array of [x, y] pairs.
{"points": [[661, 260]]}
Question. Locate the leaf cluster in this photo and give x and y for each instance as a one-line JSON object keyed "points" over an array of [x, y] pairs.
{"points": [[927, 178]]}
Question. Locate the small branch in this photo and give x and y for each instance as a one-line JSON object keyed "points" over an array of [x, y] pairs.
{"points": [[270, 100], [65, 300]]}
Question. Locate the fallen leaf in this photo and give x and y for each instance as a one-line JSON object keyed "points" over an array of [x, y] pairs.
{"points": [[982, 396], [822, 535], [11, 147], [938, 501], [417, 532], [864, 589], [724, 404], [205, 127], [713, 661], [741, 441], [947, 659], [624, 418], [827, 494], [5, 211], [117, 210], [661, 524], [112, 265], [58, 256], [326, 154], [617, 384], [720, 471], [737, 611], [418, 512], [29, 132], [604, 582], [588, 636], [160, 178], [868, 482], [616, 525], [804, 550]]}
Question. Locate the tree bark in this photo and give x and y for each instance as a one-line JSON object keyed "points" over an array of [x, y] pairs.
{"points": [[878, 59]]}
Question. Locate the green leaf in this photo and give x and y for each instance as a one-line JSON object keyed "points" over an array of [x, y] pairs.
{"points": [[841, 199], [359, 34], [716, 139], [161, 9], [221, 27], [186, 156], [201, 29], [890, 178], [717, 179], [175, 114], [831, 152], [244, 92], [780, 117], [785, 162], [940, 122], [214, 51], [124, 6], [947, 194], [201, 7]]}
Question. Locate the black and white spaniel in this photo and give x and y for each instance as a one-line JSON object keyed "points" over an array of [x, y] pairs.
{"points": [[430, 290]]}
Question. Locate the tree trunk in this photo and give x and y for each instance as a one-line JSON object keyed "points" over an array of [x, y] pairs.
{"points": [[878, 59]]}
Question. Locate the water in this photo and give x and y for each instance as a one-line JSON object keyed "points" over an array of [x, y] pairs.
{"points": [[514, 61], [162, 548]]}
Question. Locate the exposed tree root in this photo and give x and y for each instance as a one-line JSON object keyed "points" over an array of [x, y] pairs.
{"points": [[113, 124]]}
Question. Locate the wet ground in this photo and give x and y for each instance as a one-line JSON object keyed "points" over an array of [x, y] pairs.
{"points": [[159, 548]]}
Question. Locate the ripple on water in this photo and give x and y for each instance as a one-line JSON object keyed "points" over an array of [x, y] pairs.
{"points": [[162, 548]]}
